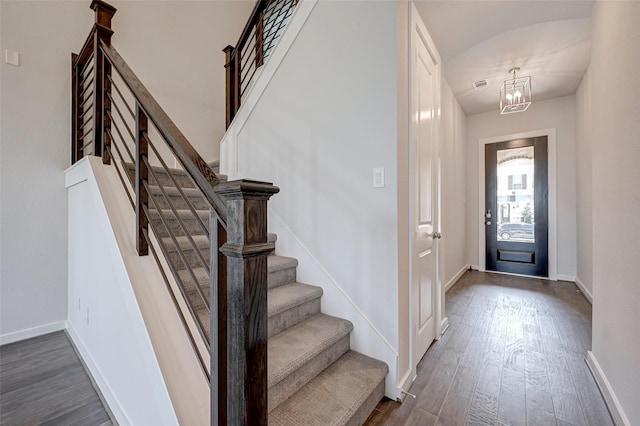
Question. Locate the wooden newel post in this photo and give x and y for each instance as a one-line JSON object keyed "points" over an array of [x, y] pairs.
{"points": [[246, 250], [76, 134], [102, 32]]}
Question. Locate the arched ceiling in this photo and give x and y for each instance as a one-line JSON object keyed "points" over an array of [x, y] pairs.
{"points": [[548, 39]]}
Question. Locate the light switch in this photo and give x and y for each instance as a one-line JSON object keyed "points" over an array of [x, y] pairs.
{"points": [[11, 57], [378, 177]]}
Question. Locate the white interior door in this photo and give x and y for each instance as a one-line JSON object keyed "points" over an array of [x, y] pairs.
{"points": [[424, 175]]}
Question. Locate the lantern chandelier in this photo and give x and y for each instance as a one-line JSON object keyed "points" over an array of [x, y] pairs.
{"points": [[515, 94]]}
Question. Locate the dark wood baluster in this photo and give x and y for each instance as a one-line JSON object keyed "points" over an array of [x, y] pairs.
{"points": [[103, 14], [142, 175], [260, 40], [230, 84], [76, 134], [246, 250], [218, 322], [237, 80]]}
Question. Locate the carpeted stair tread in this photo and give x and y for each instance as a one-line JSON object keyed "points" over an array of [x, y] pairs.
{"points": [[342, 394], [277, 263], [183, 213], [282, 270], [291, 304], [287, 296], [201, 241], [173, 191], [200, 274], [296, 346]]}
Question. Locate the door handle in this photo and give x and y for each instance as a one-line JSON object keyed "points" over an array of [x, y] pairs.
{"points": [[437, 235]]}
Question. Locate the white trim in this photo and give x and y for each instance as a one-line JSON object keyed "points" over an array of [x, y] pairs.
{"points": [[614, 406], [109, 396], [229, 144], [585, 292], [552, 203], [28, 333], [456, 277], [444, 326], [475, 267]]}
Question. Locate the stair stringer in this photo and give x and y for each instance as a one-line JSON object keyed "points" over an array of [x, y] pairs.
{"points": [[365, 337], [172, 372], [228, 144]]}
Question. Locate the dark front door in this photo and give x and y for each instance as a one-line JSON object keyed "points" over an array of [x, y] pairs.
{"points": [[516, 206]]}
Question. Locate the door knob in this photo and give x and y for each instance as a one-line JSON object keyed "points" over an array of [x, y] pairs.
{"points": [[437, 235]]}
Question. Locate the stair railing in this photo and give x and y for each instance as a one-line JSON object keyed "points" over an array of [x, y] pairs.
{"points": [[259, 36], [115, 117]]}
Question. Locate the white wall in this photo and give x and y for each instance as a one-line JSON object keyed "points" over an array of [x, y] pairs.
{"points": [[175, 48], [584, 220], [327, 118], [105, 321], [35, 133], [614, 108], [558, 113], [452, 157], [184, 71]]}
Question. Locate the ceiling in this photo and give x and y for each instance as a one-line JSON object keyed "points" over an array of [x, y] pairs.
{"points": [[550, 40]]}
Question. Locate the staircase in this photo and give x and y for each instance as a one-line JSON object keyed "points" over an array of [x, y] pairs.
{"points": [[288, 347], [313, 376]]}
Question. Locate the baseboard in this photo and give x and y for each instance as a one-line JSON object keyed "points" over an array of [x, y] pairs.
{"points": [[615, 409], [474, 267], [444, 326], [586, 293], [456, 277], [40, 330], [404, 385], [110, 398]]}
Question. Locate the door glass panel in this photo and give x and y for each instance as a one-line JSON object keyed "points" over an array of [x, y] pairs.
{"points": [[515, 203]]}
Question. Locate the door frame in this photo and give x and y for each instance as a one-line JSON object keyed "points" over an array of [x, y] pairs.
{"points": [[551, 165], [417, 28]]}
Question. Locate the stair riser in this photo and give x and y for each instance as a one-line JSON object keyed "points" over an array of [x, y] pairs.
{"points": [[183, 180], [365, 410], [178, 202], [192, 294], [180, 176], [190, 224], [282, 277], [293, 316], [298, 378]]}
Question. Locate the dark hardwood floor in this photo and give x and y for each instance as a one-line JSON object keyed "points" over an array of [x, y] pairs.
{"points": [[513, 355], [42, 382]]}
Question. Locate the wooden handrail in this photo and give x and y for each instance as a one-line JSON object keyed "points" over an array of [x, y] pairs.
{"points": [[202, 174], [237, 231], [251, 23]]}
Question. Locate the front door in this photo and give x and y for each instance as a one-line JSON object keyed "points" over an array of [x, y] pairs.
{"points": [[516, 206], [424, 197]]}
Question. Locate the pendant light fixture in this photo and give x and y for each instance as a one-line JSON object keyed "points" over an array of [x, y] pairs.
{"points": [[515, 94]]}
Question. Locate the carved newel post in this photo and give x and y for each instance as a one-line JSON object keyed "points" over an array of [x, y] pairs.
{"points": [[246, 300], [102, 86]]}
